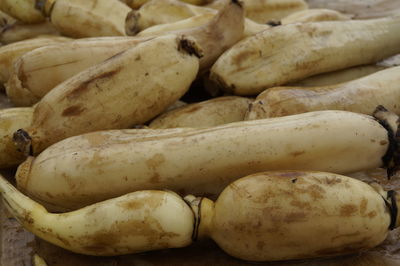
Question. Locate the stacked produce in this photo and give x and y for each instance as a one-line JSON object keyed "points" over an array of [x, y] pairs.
{"points": [[98, 139]]}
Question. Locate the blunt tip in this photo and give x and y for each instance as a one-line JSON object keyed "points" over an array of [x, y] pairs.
{"points": [[131, 23], [190, 46], [23, 142]]}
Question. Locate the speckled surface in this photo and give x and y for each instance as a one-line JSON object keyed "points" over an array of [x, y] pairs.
{"points": [[18, 247]]}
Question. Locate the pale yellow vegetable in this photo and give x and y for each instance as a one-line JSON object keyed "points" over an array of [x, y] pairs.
{"points": [[314, 15], [163, 11], [18, 32], [361, 9], [360, 95], [296, 215], [174, 14], [293, 52], [214, 112], [39, 71], [263, 11], [266, 216], [100, 165], [23, 10], [127, 89], [136, 222], [12, 119], [89, 18], [35, 73], [9, 53], [135, 4], [339, 76]]}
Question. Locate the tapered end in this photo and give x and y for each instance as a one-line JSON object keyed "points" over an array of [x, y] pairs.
{"points": [[390, 121], [45, 6], [23, 142], [131, 23], [190, 46]]}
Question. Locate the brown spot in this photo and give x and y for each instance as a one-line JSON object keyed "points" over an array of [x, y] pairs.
{"points": [[137, 58], [81, 88], [383, 142], [297, 153], [132, 204], [155, 161], [73, 110], [301, 204], [239, 58], [260, 245], [348, 210], [333, 181], [155, 178], [363, 206], [295, 217], [372, 214]]}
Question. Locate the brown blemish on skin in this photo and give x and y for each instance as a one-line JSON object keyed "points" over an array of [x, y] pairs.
{"points": [[302, 205], [348, 210], [85, 85], [73, 110], [333, 181], [363, 206], [383, 142], [297, 153], [372, 214], [239, 58], [295, 217], [155, 161], [155, 178], [132, 204], [260, 245]]}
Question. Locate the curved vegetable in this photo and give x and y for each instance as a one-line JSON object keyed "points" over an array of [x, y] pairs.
{"points": [[100, 165], [149, 77], [262, 217], [293, 52], [360, 96], [214, 112]]}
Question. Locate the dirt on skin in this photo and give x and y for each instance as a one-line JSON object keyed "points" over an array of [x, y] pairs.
{"points": [[17, 246]]}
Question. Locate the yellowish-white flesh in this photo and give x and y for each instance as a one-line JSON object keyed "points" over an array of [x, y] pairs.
{"points": [[136, 222], [23, 10], [35, 73], [127, 89], [12, 119], [293, 52], [296, 215], [360, 96], [89, 18], [214, 112], [100, 165]]}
